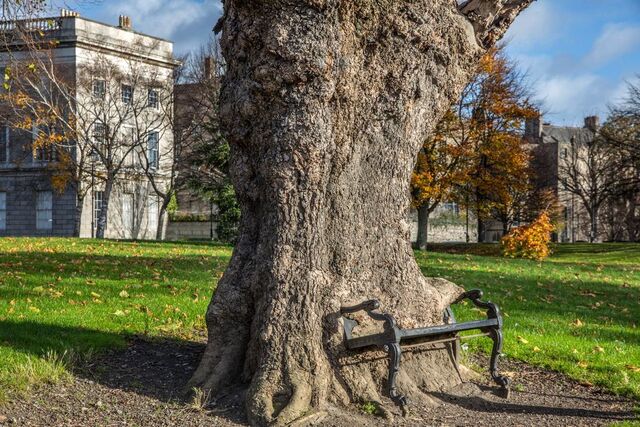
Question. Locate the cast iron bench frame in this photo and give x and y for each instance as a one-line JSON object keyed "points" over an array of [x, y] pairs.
{"points": [[391, 338]]}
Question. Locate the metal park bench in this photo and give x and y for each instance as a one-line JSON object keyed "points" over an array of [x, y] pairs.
{"points": [[392, 338]]}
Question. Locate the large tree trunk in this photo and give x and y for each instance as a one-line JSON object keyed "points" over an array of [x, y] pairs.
{"points": [[326, 104]]}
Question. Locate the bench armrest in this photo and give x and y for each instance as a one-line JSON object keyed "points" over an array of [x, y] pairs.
{"points": [[372, 304]]}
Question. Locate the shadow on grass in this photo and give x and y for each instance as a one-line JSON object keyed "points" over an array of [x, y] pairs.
{"points": [[476, 403], [111, 267], [40, 338], [158, 368]]}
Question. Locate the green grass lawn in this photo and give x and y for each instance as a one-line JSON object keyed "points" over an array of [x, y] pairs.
{"points": [[63, 298], [576, 312]]}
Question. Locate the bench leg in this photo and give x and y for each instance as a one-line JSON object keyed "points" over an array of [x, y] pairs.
{"points": [[501, 380], [395, 355]]}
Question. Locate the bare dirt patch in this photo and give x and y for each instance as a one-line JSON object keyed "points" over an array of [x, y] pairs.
{"points": [[143, 385]]}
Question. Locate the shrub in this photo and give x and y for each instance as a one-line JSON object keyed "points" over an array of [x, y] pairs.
{"points": [[228, 214], [529, 241]]}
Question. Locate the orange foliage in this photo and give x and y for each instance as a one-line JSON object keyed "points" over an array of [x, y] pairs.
{"points": [[529, 241], [499, 170]]}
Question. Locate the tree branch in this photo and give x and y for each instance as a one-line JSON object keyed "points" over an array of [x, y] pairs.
{"points": [[492, 18]]}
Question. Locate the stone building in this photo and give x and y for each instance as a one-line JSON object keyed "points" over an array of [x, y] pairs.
{"points": [[550, 146], [195, 105], [29, 204]]}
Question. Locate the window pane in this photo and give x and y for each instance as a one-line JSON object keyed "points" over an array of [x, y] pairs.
{"points": [[3, 211], [44, 210], [99, 88], [127, 94], [97, 207], [152, 148], [153, 98], [4, 144]]}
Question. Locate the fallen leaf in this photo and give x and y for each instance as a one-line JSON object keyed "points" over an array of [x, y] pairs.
{"points": [[95, 295], [124, 294], [119, 313], [633, 368], [536, 349], [522, 340], [598, 349], [34, 309], [582, 364], [577, 323]]}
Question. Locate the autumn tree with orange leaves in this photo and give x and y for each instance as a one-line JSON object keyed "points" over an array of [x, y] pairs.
{"points": [[441, 168], [477, 157], [499, 185]]}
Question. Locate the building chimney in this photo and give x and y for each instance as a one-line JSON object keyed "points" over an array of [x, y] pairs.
{"points": [[66, 13], [124, 22], [208, 68], [592, 123], [533, 127]]}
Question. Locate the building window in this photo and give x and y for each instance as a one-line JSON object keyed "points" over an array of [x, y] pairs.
{"points": [[98, 201], [99, 138], [3, 210], [153, 101], [451, 207], [127, 94], [44, 210], [4, 144], [42, 152], [99, 89], [153, 140], [129, 146], [152, 214]]}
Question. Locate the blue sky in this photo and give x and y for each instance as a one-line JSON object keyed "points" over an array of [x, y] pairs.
{"points": [[578, 53]]}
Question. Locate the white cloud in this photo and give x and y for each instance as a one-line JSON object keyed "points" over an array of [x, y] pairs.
{"points": [[571, 98], [188, 23], [615, 41], [539, 23]]}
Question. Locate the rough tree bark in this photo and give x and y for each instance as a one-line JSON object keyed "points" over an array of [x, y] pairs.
{"points": [[325, 104]]}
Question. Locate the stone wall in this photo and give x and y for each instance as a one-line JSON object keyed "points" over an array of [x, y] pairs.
{"points": [[445, 227], [190, 230], [22, 189]]}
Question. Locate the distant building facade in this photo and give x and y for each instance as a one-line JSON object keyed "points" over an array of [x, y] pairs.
{"points": [[550, 146], [29, 204]]}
